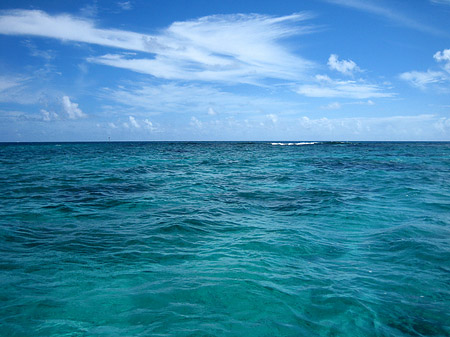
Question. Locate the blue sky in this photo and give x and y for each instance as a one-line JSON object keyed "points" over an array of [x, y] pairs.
{"points": [[225, 70]]}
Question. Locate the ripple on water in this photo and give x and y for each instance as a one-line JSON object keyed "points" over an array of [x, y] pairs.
{"points": [[224, 239]]}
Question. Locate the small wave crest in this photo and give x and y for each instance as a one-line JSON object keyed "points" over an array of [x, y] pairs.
{"points": [[294, 144]]}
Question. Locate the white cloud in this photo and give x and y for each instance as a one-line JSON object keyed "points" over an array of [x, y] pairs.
{"points": [[231, 48], [211, 112], [112, 125], [68, 28], [149, 125], [48, 115], [125, 5], [408, 127], [273, 118], [45, 115], [338, 105], [419, 127], [71, 109], [320, 124], [323, 78], [234, 48], [443, 56], [442, 124], [326, 87], [422, 79], [332, 106], [133, 122], [196, 123], [346, 67]]}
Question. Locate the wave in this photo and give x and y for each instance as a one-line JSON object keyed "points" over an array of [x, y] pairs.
{"points": [[294, 144]]}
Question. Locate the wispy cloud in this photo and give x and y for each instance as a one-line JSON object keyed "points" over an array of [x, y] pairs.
{"points": [[89, 10], [8, 82], [231, 48], [69, 28], [125, 5], [234, 48], [15, 89], [389, 13], [328, 88], [153, 99], [47, 55], [441, 2], [423, 79]]}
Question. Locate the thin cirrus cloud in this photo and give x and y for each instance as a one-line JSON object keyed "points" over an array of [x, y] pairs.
{"points": [[144, 99], [376, 8], [15, 89], [326, 87], [234, 48], [422, 79], [8, 82], [125, 5], [441, 2]]}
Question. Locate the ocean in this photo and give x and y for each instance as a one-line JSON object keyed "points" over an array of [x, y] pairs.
{"points": [[225, 239]]}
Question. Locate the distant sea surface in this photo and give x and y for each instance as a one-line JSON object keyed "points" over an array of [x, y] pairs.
{"points": [[225, 239]]}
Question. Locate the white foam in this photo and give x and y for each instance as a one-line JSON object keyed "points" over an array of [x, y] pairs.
{"points": [[294, 144]]}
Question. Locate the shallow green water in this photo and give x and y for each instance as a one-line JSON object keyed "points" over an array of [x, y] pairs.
{"points": [[225, 239]]}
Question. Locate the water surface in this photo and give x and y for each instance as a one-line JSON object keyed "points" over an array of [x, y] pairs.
{"points": [[225, 239]]}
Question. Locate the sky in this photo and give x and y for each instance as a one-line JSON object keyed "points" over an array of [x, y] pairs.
{"points": [[339, 70]]}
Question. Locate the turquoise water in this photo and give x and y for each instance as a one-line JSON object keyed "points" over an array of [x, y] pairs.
{"points": [[225, 239]]}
